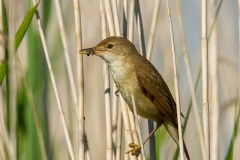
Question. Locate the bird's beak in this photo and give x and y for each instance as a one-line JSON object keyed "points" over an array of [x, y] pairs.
{"points": [[87, 51]]}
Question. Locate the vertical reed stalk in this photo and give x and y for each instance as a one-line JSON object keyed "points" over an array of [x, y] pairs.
{"points": [[127, 128], [110, 24], [125, 9], [66, 53], [153, 29], [115, 117], [131, 21], [2, 141], [12, 81], [114, 98], [80, 83], [138, 128], [109, 16], [133, 129], [119, 135], [149, 55], [4, 137], [106, 77], [67, 58], [114, 29], [191, 84], [116, 17], [135, 9], [140, 29], [238, 59], [126, 156], [42, 36], [239, 55], [176, 85], [109, 150], [214, 110], [204, 45]]}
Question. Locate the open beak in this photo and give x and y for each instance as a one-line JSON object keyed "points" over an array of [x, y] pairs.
{"points": [[87, 51]]}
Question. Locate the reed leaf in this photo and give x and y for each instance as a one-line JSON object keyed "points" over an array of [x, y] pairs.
{"points": [[19, 35], [176, 154], [229, 155]]}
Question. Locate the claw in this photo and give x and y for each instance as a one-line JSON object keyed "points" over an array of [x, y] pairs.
{"points": [[116, 92], [135, 149]]}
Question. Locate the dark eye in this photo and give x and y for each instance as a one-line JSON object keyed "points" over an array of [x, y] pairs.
{"points": [[110, 46]]}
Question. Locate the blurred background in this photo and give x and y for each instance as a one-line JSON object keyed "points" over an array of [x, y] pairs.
{"points": [[32, 76]]}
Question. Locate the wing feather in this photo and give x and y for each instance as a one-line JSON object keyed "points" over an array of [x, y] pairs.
{"points": [[155, 88]]}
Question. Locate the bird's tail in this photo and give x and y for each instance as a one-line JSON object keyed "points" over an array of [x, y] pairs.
{"points": [[173, 131]]}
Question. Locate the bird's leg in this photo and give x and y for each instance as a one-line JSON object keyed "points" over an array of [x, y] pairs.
{"points": [[116, 92], [151, 134], [136, 147]]}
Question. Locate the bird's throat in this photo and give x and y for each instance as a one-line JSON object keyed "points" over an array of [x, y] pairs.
{"points": [[119, 74]]}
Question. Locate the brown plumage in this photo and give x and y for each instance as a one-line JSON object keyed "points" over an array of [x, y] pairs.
{"points": [[134, 74]]}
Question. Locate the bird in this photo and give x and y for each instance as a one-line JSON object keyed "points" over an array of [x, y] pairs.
{"points": [[135, 75]]}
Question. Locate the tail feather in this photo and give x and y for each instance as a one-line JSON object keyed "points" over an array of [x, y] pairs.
{"points": [[173, 131]]}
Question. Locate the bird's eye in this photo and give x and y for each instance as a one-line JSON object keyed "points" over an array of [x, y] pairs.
{"points": [[109, 46]]}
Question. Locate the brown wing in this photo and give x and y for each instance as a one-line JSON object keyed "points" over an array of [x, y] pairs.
{"points": [[155, 88]]}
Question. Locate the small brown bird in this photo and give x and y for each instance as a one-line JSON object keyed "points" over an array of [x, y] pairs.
{"points": [[134, 74]]}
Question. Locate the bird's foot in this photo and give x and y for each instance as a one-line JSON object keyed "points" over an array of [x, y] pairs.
{"points": [[116, 92], [135, 149]]}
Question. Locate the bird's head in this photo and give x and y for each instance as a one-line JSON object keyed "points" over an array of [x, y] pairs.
{"points": [[111, 49]]}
